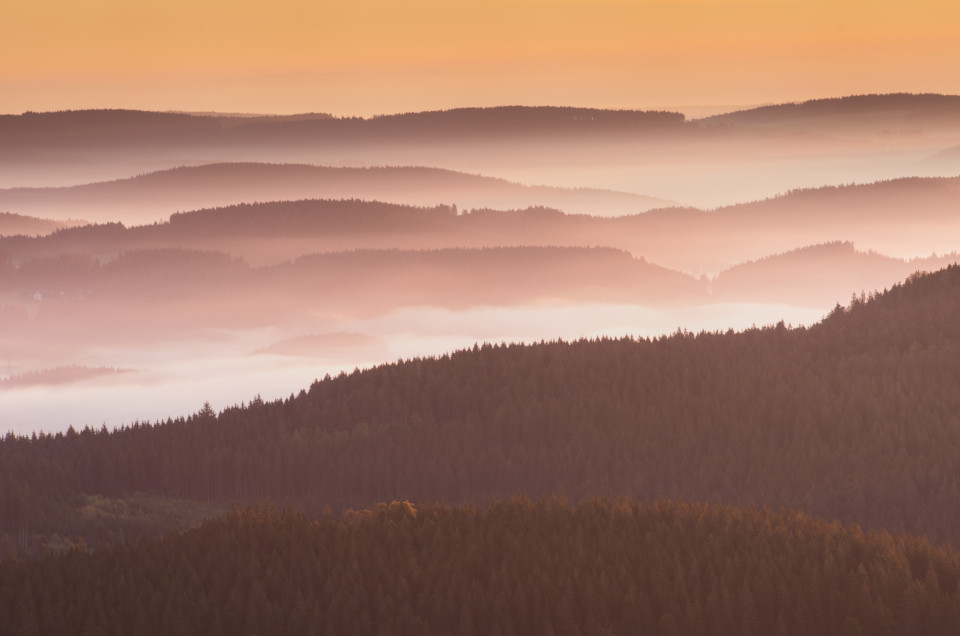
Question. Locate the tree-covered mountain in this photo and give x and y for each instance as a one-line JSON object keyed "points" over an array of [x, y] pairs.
{"points": [[601, 567], [892, 112], [852, 419], [132, 127]]}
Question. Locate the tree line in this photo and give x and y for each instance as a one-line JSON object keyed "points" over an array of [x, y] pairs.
{"points": [[603, 567]]}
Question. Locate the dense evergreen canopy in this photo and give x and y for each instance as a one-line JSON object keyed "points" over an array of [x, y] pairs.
{"points": [[603, 567]]}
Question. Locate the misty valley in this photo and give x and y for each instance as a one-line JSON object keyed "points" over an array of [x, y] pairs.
{"points": [[504, 370]]}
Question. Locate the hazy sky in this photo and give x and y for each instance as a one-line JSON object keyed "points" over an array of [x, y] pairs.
{"points": [[379, 56]]}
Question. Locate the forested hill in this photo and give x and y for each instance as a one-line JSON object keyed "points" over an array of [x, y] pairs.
{"points": [[904, 107], [128, 128], [515, 568], [854, 419]]}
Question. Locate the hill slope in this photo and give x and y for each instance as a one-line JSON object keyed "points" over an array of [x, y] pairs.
{"points": [[18, 224], [157, 195], [890, 112], [903, 218], [654, 153], [818, 275], [155, 294], [514, 568]]}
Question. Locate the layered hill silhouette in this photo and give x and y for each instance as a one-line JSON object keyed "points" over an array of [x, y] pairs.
{"points": [[852, 419], [63, 130], [746, 156], [897, 113], [517, 567], [903, 218], [58, 376], [22, 225], [155, 196], [149, 295], [99, 285], [946, 160], [130, 127], [56, 139], [126, 126], [818, 275], [323, 345]]}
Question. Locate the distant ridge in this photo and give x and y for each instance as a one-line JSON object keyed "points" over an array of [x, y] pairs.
{"points": [[74, 146], [819, 274], [147, 296], [460, 122], [902, 217], [18, 224], [536, 118], [947, 159], [384, 277], [324, 345], [155, 195], [905, 105], [905, 186], [266, 116], [731, 157], [59, 376]]}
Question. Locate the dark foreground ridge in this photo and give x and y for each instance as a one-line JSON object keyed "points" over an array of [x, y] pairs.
{"points": [[854, 419], [602, 567]]}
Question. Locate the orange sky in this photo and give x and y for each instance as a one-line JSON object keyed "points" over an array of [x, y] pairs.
{"points": [[379, 56]]}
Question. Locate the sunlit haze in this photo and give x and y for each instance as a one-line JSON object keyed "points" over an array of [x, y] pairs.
{"points": [[375, 56]]}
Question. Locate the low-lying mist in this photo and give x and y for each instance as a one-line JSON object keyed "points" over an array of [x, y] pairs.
{"points": [[180, 376]]}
